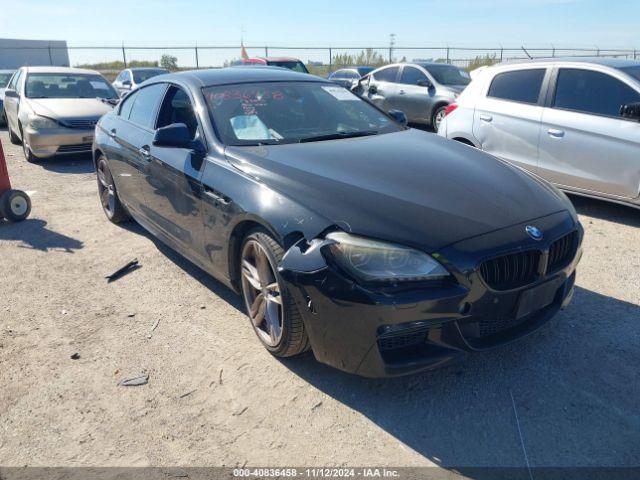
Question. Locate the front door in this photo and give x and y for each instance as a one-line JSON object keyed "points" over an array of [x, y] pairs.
{"points": [[413, 99], [11, 103], [507, 117], [174, 190], [383, 88], [584, 143]]}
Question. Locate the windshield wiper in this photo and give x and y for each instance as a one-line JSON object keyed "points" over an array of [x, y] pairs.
{"points": [[338, 135]]}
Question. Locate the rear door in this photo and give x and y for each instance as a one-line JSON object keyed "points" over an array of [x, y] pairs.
{"points": [[508, 115], [132, 134], [584, 142], [413, 99], [174, 188], [383, 88]]}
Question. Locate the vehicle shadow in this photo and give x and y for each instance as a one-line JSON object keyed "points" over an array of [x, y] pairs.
{"points": [[604, 210], [193, 270], [34, 234], [567, 395], [74, 164]]}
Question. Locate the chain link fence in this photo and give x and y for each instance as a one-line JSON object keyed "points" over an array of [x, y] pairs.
{"points": [[320, 60]]}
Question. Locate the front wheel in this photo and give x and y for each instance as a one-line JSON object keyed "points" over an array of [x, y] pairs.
{"points": [[273, 313], [111, 205], [438, 116]]}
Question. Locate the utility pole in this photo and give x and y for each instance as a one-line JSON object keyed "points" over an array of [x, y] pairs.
{"points": [[392, 43]]}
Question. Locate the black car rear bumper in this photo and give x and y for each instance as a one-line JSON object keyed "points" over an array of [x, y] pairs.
{"points": [[377, 332]]}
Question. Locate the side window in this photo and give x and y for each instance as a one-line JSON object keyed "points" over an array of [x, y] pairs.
{"points": [[411, 76], [177, 108], [592, 92], [126, 76], [15, 81], [120, 77], [338, 74], [146, 104], [387, 75], [518, 86], [127, 105]]}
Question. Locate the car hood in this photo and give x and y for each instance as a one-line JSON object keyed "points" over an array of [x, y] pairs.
{"points": [[409, 187], [64, 108]]}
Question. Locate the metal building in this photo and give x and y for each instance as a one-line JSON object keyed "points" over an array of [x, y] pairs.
{"points": [[16, 53]]}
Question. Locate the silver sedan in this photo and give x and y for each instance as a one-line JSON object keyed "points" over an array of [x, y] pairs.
{"points": [[54, 110]]}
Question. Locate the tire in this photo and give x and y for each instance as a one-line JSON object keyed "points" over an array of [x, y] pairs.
{"points": [[292, 339], [109, 200], [15, 205], [28, 154], [13, 138], [437, 117]]}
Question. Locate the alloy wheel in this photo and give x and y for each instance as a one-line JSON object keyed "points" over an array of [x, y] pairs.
{"points": [[106, 188], [438, 118], [261, 292]]}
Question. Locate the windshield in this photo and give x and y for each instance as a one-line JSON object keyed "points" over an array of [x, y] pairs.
{"points": [[295, 65], [633, 71], [448, 74], [4, 78], [140, 76], [72, 85], [291, 112]]}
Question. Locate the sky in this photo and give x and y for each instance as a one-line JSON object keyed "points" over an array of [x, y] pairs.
{"points": [[306, 23]]}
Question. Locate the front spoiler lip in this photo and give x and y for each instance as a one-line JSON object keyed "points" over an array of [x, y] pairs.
{"points": [[343, 319]]}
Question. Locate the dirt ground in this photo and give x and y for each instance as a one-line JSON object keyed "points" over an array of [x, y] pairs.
{"points": [[566, 396]]}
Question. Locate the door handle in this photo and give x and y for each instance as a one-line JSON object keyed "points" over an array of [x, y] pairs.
{"points": [[556, 133], [112, 133], [216, 197], [144, 151], [486, 118], [401, 92]]}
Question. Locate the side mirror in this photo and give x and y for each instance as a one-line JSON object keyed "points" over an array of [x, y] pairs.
{"points": [[11, 93], [630, 111], [175, 135], [399, 117], [424, 83], [373, 89]]}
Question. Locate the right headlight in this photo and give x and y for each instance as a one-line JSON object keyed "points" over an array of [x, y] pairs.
{"points": [[38, 122], [374, 260]]}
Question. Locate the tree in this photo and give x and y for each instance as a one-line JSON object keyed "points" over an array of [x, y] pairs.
{"points": [[482, 61], [169, 62]]}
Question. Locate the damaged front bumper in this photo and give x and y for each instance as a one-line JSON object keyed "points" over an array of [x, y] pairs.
{"points": [[379, 331]]}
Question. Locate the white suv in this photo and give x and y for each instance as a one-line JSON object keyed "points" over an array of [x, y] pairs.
{"points": [[574, 122]]}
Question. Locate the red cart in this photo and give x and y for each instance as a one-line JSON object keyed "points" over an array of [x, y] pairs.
{"points": [[15, 205]]}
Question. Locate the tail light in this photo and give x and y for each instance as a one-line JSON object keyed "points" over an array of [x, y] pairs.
{"points": [[450, 108]]}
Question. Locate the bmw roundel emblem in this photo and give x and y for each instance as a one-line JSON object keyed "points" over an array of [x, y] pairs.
{"points": [[534, 232]]}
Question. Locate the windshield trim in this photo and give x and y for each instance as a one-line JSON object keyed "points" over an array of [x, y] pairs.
{"points": [[257, 143]]}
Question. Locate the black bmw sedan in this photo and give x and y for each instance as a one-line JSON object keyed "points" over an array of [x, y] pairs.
{"points": [[385, 250]]}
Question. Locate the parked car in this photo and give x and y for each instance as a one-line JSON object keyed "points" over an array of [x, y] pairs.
{"points": [[5, 76], [131, 78], [348, 77], [574, 122], [52, 110], [283, 62], [385, 250], [421, 90]]}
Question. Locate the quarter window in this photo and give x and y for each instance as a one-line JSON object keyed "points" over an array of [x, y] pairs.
{"points": [[177, 108], [127, 105], [411, 76], [592, 92], [145, 105], [518, 86], [387, 75]]}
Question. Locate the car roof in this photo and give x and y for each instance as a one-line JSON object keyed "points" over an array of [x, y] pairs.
{"points": [[279, 59], [230, 75], [61, 70], [604, 61], [8, 71]]}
